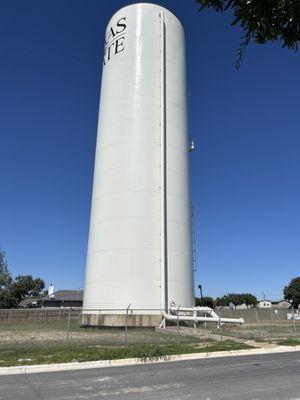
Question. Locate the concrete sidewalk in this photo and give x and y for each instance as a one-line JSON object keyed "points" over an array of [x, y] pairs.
{"points": [[203, 334]]}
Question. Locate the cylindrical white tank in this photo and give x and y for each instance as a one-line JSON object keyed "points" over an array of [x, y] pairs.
{"points": [[140, 247]]}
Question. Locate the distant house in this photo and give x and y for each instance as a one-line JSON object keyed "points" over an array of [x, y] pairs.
{"points": [[281, 304], [264, 304], [62, 298], [29, 302], [243, 306]]}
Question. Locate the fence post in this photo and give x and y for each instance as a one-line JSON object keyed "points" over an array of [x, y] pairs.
{"points": [[69, 323], [126, 324], [220, 325], [294, 322], [257, 319], [178, 335]]}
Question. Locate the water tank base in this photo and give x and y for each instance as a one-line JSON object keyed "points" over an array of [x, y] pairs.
{"points": [[119, 320]]}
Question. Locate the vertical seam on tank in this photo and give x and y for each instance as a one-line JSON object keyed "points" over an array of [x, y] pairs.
{"points": [[164, 228]]}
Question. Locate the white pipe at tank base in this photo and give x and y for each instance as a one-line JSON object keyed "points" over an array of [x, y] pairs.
{"points": [[214, 317]]}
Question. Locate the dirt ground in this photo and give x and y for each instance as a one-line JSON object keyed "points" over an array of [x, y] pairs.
{"points": [[55, 331]]}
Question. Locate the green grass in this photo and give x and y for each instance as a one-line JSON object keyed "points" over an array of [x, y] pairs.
{"points": [[40, 325], [72, 352], [289, 342], [56, 332]]}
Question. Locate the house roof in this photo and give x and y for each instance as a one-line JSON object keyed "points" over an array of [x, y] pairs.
{"points": [[27, 301], [280, 301], [66, 295]]}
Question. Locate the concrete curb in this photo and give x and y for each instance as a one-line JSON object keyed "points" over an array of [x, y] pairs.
{"points": [[31, 369]]}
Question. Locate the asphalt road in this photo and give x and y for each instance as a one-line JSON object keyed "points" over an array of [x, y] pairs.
{"points": [[267, 377]]}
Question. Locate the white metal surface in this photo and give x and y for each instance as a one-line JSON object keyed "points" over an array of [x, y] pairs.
{"points": [[143, 99]]}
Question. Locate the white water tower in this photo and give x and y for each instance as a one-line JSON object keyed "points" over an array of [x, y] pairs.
{"points": [[140, 246]]}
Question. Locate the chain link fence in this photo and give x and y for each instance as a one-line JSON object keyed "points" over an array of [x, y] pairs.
{"points": [[56, 326], [265, 324], [53, 326]]}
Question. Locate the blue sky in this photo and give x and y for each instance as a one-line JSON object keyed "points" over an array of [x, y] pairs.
{"points": [[244, 172]]}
